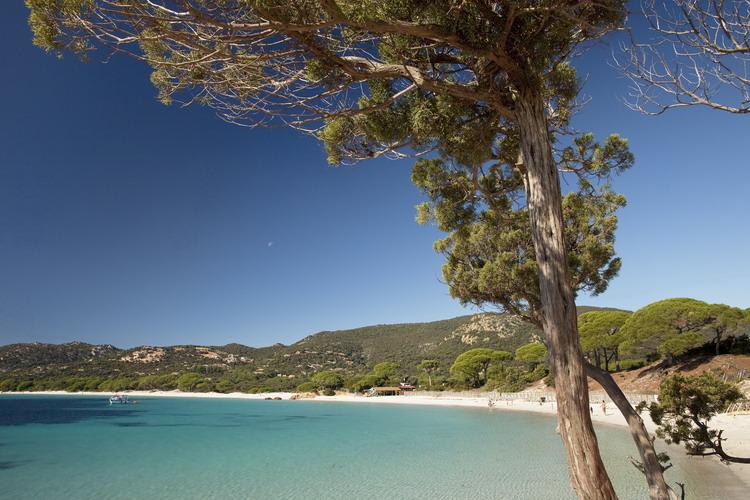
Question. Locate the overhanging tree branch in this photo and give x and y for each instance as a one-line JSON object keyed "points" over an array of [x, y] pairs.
{"points": [[698, 54]]}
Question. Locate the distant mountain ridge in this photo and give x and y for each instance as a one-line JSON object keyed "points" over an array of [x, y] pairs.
{"points": [[354, 350]]}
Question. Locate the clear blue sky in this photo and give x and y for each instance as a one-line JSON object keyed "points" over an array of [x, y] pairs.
{"points": [[127, 222]]}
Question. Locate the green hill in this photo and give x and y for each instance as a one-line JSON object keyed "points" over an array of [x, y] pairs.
{"points": [[352, 351]]}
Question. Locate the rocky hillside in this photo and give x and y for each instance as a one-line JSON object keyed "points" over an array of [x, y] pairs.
{"points": [[353, 350]]}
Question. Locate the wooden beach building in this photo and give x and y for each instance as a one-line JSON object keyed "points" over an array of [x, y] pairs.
{"points": [[385, 391]]}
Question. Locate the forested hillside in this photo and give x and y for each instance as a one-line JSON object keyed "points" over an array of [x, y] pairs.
{"points": [[489, 350], [40, 366]]}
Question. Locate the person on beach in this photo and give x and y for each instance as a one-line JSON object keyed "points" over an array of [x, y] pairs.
{"points": [[604, 407]]}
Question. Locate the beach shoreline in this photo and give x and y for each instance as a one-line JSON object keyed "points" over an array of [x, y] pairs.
{"points": [[736, 428]]}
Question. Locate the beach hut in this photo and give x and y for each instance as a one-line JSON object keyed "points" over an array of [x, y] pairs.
{"points": [[385, 391]]}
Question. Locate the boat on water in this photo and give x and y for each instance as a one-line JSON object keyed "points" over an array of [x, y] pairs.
{"points": [[118, 399]]}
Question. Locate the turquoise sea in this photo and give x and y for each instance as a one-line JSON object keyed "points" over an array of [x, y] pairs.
{"points": [[70, 447]]}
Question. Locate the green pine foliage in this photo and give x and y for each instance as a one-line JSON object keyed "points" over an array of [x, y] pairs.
{"points": [[473, 366], [490, 257], [684, 411], [533, 353], [666, 328], [601, 336]]}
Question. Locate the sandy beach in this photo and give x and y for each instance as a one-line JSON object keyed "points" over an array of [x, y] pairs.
{"points": [[736, 427]]}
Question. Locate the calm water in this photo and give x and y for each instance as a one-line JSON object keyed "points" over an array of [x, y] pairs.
{"points": [[81, 448]]}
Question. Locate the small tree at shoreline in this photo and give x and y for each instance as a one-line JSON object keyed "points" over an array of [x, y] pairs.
{"points": [[686, 405]]}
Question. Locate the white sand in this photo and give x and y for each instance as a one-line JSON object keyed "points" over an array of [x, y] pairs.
{"points": [[165, 394]]}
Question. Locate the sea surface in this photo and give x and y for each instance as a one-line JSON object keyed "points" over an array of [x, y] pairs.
{"points": [[70, 447]]}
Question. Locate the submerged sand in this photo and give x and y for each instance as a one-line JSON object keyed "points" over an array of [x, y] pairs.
{"points": [[732, 481]]}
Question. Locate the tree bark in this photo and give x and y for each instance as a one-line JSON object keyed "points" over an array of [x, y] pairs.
{"points": [[718, 448], [718, 343], [617, 360], [559, 319], [612, 357], [606, 362], [729, 458], [657, 486]]}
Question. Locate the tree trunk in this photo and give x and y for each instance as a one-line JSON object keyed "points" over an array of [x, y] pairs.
{"points": [[587, 473], [612, 357], [718, 343], [606, 361], [730, 458], [657, 487], [617, 360], [429, 379]]}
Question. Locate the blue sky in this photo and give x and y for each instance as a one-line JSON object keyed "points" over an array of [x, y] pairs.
{"points": [[128, 222]]}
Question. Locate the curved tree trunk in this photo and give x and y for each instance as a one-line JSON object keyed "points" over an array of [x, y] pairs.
{"points": [[587, 473], [718, 448], [729, 458], [657, 486]]}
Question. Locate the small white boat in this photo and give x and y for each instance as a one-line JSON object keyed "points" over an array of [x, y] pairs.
{"points": [[118, 399]]}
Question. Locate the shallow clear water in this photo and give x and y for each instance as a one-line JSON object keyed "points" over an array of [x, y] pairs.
{"points": [[81, 448]]}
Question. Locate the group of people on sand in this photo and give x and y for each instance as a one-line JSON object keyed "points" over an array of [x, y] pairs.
{"points": [[491, 403], [604, 408]]}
